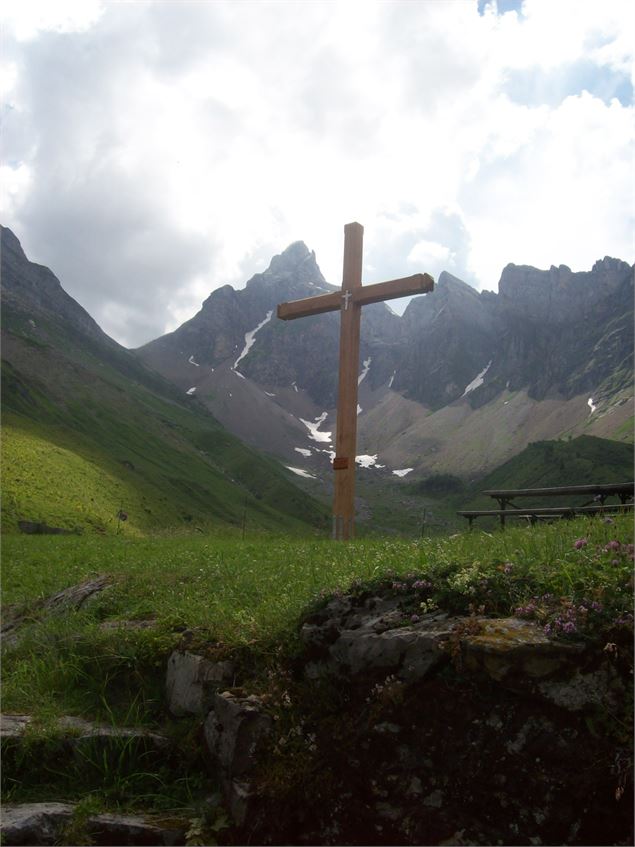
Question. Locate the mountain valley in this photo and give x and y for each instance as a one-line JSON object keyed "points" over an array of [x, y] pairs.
{"points": [[231, 417]]}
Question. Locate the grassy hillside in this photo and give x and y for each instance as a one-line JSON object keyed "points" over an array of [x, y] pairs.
{"points": [[580, 461], [85, 442], [545, 464]]}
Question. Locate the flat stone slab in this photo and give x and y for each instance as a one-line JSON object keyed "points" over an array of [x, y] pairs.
{"points": [[14, 726], [34, 823], [43, 824], [76, 729]]}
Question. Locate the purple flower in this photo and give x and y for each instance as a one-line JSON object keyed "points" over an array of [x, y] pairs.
{"points": [[547, 629], [613, 545], [415, 618], [525, 611], [580, 543], [420, 584], [569, 626]]}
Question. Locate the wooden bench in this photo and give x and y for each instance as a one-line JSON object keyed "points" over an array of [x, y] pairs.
{"points": [[597, 493]]}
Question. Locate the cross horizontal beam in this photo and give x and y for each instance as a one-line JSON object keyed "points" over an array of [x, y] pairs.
{"points": [[362, 296]]}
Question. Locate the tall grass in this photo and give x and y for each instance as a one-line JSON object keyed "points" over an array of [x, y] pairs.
{"points": [[242, 592]]}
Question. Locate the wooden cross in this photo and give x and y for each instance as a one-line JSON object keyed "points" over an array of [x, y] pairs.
{"points": [[349, 302]]}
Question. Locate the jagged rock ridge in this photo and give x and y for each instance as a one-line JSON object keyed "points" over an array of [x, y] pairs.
{"points": [[551, 336]]}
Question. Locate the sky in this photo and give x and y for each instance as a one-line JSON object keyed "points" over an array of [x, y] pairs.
{"points": [[154, 151]]}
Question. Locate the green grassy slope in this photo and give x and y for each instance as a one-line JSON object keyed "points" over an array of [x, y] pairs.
{"points": [[545, 464], [82, 440]]}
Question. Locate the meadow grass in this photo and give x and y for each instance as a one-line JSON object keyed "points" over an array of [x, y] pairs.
{"points": [[248, 591], [247, 598]]}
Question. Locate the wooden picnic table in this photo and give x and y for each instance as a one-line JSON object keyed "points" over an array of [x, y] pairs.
{"points": [[596, 504]]}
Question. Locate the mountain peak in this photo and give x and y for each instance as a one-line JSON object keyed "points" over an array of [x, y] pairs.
{"points": [[292, 269], [294, 255], [10, 241]]}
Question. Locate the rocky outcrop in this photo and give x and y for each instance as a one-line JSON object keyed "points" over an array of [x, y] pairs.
{"points": [[73, 597], [192, 682], [434, 729], [234, 729]]}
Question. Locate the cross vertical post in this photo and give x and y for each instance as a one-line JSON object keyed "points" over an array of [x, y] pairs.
{"points": [[346, 423], [348, 302]]}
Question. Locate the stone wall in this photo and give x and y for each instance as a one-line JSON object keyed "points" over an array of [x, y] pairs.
{"points": [[443, 730]]}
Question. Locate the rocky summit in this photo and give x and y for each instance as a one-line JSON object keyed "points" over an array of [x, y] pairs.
{"points": [[462, 382]]}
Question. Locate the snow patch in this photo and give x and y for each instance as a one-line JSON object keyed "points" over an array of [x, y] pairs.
{"points": [[269, 394], [300, 472], [359, 409], [238, 373], [591, 405], [314, 429], [250, 337], [366, 364], [392, 379], [478, 380], [366, 461], [303, 451], [403, 472], [294, 386], [191, 390], [192, 362]]}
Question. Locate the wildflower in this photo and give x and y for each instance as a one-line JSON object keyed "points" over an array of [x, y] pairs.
{"points": [[608, 520], [547, 629], [525, 611], [610, 647], [580, 543], [569, 627], [415, 618], [612, 545], [508, 567]]}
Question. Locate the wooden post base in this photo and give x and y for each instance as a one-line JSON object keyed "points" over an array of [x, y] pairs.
{"points": [[343, 528]]}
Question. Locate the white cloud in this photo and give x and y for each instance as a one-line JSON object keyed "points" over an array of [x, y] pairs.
{"points": [[27, 18], [158, 150]]}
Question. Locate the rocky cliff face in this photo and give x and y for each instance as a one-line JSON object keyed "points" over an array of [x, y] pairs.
{"points": [[301, 353], [565, 333], [555, 346], [550, 332]]}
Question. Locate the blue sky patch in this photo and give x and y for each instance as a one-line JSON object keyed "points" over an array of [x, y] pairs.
{"points": [[502, 6], [537, 87]]}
